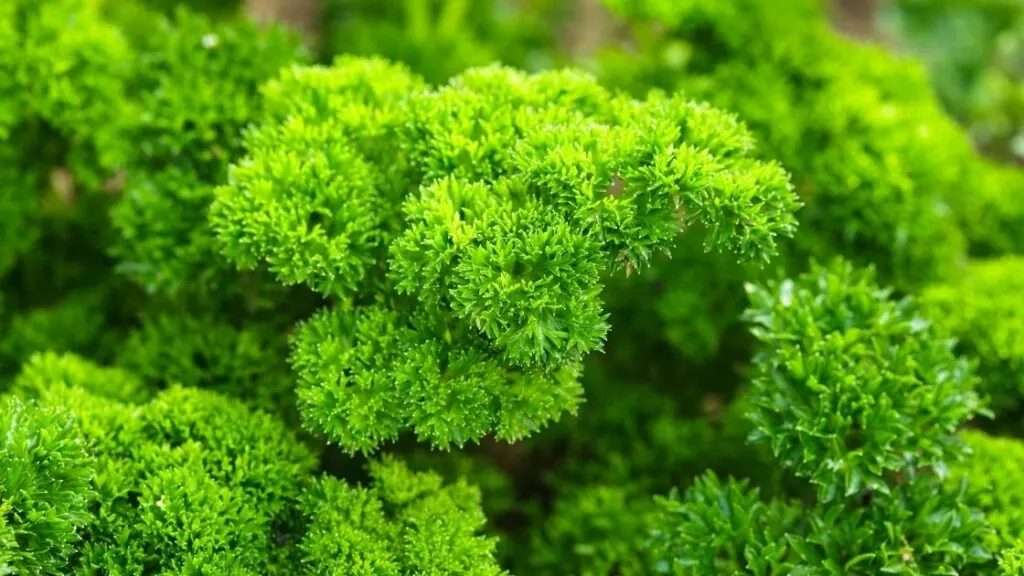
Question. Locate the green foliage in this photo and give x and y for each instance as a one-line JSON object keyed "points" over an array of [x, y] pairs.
{"points": [[185, 479], [497, 490], [628, 444], [44, 488], [215, 7], [43, 373], [69, 78], [18, 211], [71, 325], [992, 474], [189, 481], [195, 89], [521, 284], [404, 522], [694, 319], [885, 177], [440, 38], [641, 439], [973, 51], [64, 70], [1011, 563], [212, 482], [474, 304], [856, 392], [593, 529], [199, 351], [981, 308], [723, 528], [992, 215], [852, 386], [872, 155]]}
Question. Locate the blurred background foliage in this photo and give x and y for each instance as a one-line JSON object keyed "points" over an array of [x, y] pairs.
{"points": [[974, 51]]}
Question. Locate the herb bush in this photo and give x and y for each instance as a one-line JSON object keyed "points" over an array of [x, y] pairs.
{"points": [[725, 294]]}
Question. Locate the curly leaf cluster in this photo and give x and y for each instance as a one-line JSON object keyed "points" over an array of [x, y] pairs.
{"points": [[464, 230], [853, 386], [100, 478], [403, 522], [45, 490], [718, 527]]}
